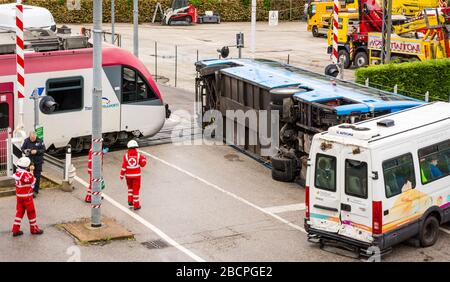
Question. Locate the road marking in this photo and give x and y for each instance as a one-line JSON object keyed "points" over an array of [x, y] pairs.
{"points": [[225, 192], [146, 224], [445, 230], [286, 208]]}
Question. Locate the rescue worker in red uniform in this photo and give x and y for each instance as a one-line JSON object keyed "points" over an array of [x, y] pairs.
{"points": [[88, 197], [131, 170], [24, 194]]}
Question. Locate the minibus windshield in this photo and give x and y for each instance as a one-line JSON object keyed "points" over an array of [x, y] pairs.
{"points": [[325, 177]]}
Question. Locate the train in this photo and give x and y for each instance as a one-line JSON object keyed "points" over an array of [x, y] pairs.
{"points": [[61, 65]]}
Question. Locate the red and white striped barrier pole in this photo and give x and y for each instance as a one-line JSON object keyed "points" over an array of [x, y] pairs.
{"points": [[335, 31], [20, 65]]}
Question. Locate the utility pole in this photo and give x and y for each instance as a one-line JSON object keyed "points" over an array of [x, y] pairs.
{"points": [[97, 117], [386, 32], [135, 28], [290, 10], [253, 29], [113, 21]]}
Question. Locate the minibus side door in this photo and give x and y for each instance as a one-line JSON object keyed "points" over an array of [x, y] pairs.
{"points": [[401, 198], [324, 189], [356, 193]]}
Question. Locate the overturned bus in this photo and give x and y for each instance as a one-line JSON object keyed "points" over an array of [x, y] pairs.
{"points": [[307, 103]]}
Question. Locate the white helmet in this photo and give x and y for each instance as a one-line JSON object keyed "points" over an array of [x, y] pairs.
{"points": [[132, 144], [24, 162]]}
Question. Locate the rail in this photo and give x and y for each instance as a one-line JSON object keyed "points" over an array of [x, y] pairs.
{"points": [[49, 159]]}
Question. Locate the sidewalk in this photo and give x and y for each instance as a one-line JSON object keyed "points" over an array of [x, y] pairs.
{"points": [[55, 207]]}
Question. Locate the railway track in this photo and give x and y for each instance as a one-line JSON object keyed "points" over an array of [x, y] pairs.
{"points": [[169, 134]]}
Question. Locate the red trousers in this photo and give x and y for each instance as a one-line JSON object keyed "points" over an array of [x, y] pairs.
{"points": [[25, 204], [134, 185], [89, 192]]}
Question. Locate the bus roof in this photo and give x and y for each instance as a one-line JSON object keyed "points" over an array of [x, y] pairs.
{"points": [[388, 126], [313, 87]]}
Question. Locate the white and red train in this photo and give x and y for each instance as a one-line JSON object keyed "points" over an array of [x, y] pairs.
{"points": [[132, 103]]}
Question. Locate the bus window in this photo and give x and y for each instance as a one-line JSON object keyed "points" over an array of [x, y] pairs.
{"points": [[325, 177], [356, 178], [399, 175], [434, 162]]}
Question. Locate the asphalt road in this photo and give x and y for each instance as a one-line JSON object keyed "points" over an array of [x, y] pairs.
{"points": [[199, 203]]}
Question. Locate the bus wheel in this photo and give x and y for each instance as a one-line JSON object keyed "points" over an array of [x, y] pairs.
{"points": [[315, 31], [283, 169], [429, 232], [344, 57], [361, 59]]}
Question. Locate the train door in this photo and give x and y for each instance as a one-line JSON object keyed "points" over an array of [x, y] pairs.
{"points": [[6, 121], [6, 106]]}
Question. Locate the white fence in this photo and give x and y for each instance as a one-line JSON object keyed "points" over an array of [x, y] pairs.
{"points": [[6, 160]]}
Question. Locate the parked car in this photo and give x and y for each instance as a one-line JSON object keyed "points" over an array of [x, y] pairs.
{"points": [[34, 17]]}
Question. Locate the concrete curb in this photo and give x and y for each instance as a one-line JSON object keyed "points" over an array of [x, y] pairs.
{"points": [[7, 192]]}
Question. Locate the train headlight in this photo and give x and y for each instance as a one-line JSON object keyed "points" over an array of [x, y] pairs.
{"points": [[47, 105]]}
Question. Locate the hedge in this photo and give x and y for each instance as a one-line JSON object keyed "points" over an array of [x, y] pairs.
{"points": [[229, 10], [413, 79]]}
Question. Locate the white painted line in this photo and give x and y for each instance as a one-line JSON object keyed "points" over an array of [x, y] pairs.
{"points": [[146, 224], [225, 192], [287, 208], [445, 230]]}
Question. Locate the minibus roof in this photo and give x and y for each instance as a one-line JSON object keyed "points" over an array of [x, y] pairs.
{"points": [[389, 126]]}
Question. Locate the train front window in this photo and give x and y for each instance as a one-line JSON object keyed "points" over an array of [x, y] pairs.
{"points": [[142, 93], [134, 87]]}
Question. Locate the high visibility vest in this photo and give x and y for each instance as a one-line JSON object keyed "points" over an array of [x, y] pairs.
{"points": [[422, 175]]}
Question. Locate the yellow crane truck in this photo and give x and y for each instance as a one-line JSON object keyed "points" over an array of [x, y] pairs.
{"points": [[422, 38], [354, 30], [318, 13]]}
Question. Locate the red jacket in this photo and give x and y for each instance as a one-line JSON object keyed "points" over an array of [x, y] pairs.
{"points": [[24, 183], [132, 163], [90, 161]]}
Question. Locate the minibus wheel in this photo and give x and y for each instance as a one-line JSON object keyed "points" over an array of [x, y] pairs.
{"points": [[429, 232]]}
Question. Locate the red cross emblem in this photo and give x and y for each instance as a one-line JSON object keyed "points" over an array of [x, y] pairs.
{"points": [[132, 162]]}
